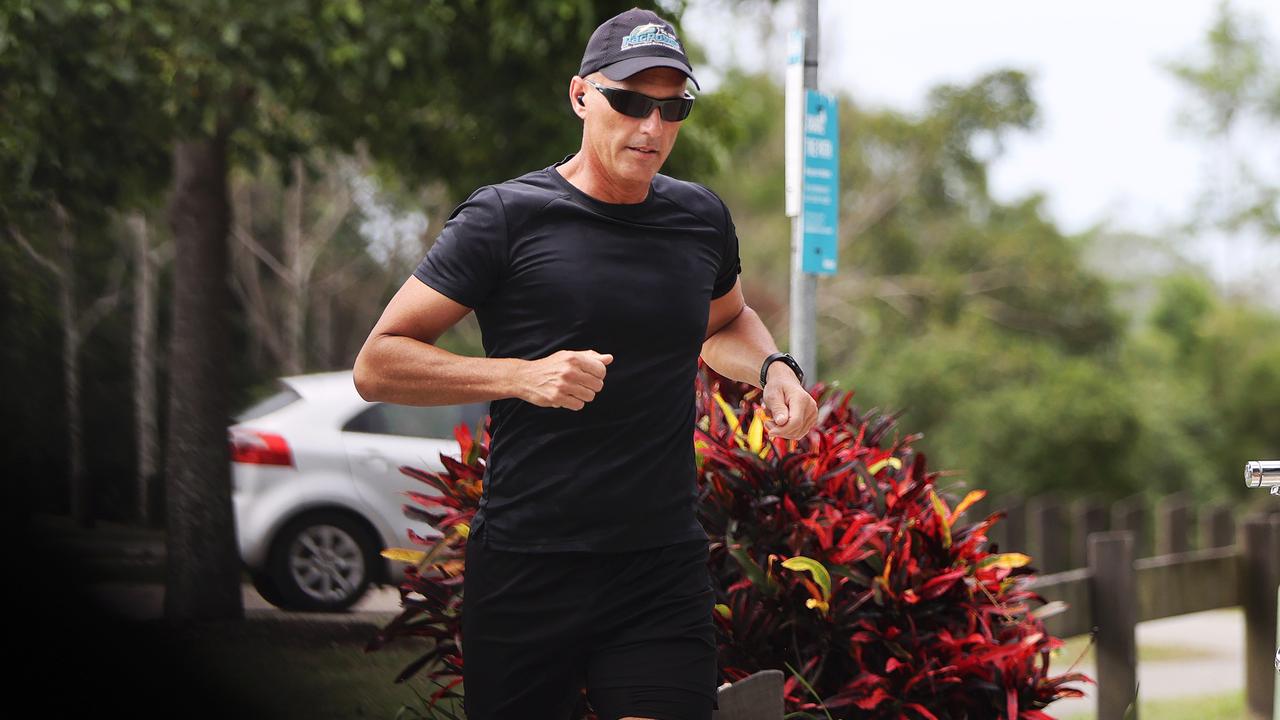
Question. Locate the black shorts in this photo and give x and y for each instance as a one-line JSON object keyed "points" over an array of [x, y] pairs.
{"points": [[634, 628]]}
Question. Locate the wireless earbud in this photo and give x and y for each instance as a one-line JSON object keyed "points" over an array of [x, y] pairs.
{"points": [[580, 100]]}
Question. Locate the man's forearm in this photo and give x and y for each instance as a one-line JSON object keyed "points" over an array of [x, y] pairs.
{"points": [[405, 371], [737, 349]]}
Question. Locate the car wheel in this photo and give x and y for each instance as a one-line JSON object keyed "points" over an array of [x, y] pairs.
{"points": [[322, 562]]}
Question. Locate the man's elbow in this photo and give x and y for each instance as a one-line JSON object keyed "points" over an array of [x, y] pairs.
{"points": [[725, 322], [364, 374]]}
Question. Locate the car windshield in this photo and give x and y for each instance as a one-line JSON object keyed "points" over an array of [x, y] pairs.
{"points": [[283, 397], [436, 421]]}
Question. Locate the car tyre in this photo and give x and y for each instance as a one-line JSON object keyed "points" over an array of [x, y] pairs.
{"points": [[321, 562]]}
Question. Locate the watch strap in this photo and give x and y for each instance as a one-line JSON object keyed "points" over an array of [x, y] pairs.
{"points": [[784, 357]]}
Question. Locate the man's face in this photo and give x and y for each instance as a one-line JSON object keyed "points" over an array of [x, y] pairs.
{"points": [[631, 149]]}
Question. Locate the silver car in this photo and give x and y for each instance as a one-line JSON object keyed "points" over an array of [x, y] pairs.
{"points": [[317, 489]]}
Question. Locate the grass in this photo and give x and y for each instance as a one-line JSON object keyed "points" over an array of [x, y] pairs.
{"points": [[1227, 706], [289, 667], [293, 668]]}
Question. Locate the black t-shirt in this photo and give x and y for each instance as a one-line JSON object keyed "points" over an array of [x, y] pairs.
{"points": [[547, 267]]}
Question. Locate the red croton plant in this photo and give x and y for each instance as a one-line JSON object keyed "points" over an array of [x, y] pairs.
{"points": [[837, 560]]}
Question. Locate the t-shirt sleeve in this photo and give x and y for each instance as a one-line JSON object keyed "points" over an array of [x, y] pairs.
{"points": [[730, 262], [469, 257]]}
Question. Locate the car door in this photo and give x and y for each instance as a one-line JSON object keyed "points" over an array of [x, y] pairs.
{"points": [[383, 437]]}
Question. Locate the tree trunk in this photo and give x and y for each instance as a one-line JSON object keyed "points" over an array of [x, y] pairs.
{"points": [[295, 300], [322, 331], [81, 510], [144, 369], [203, 575]]}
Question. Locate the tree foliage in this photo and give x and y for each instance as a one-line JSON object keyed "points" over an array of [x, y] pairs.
{"points": [[1235, 86]]}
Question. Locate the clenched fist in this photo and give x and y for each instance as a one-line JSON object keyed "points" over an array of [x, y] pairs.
{"points": [[565, 379]]}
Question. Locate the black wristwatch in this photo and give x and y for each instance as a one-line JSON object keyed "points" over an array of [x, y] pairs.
{"points": [[784, 357]]}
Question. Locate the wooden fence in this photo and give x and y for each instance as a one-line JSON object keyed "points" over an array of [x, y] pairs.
{"points": [[1119, 588], [1055, 532]]}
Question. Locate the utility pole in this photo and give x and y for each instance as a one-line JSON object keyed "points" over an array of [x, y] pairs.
{"points": [[803, 342]]}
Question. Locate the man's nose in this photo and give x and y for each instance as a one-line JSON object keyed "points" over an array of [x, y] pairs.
{"points": [[652, 122]]}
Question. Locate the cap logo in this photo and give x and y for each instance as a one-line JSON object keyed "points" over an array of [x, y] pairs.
{"points": [[651, 34]]}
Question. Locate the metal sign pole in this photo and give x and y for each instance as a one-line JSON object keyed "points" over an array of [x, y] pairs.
{"points": [[803, 341]]}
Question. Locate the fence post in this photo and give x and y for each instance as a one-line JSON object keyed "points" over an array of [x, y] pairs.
{"points": [[1259, 579], [1113, 594], [1173, 525], [1047, 530], [1088, 517], [1217, 526], [1131, 514]]}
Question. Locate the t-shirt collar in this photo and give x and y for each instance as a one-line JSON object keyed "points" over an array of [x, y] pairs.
{"points": [[628, 210]]}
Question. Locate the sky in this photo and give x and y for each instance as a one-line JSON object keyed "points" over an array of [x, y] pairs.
{"points": [[1109, 148]]}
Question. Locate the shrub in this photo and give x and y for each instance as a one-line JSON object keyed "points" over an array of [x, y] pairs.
{"points": [[837, 558]]}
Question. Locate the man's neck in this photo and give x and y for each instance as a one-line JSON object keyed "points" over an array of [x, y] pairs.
{"points": [[588, 176]]}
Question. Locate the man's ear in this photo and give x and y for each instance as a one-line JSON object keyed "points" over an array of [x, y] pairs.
{"points": [[577, 100]]}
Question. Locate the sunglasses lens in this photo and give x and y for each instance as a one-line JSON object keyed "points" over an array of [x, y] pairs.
{"points": [[675, 110], [630, 103], [639, 105]]}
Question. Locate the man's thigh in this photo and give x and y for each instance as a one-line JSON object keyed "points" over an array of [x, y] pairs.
{"points": [[522, 634], [652, 651]]}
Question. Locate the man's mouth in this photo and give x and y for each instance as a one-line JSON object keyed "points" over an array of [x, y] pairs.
{"points": [[642, 150]]}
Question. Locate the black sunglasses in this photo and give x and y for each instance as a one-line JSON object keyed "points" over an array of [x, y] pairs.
{"points": [[639, 105]]}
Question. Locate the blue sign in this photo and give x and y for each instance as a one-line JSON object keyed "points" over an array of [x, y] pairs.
{"points": [[821, 210]]}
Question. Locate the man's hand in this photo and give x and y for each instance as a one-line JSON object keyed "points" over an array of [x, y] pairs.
{"points": [[792, 410], [565, 379]]}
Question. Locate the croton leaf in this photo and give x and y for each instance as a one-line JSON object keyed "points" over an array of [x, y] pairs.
{"points": [[756, 574], [1004, 561], [755, 433], [940, 509], [404, 555], [972, 497], [814, 568], [879, 465], [729, 415]]}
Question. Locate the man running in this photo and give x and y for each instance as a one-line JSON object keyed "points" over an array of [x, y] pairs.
{"points": [[597, 282]]}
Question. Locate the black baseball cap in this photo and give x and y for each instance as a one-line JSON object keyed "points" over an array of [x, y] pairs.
{"points": [[633, 41]]}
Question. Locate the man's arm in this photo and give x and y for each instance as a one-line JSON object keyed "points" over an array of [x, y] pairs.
{"points": [[400, 363], [736, 344], [737, 340]]}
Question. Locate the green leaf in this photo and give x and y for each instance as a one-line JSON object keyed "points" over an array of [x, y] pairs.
{"points": [[231, 35], [814, 568], [354, 12], [754, 572], [808, 687], [750, 568]]}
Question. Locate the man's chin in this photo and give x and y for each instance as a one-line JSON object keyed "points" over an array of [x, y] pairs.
{"points": [[642, 167]]}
